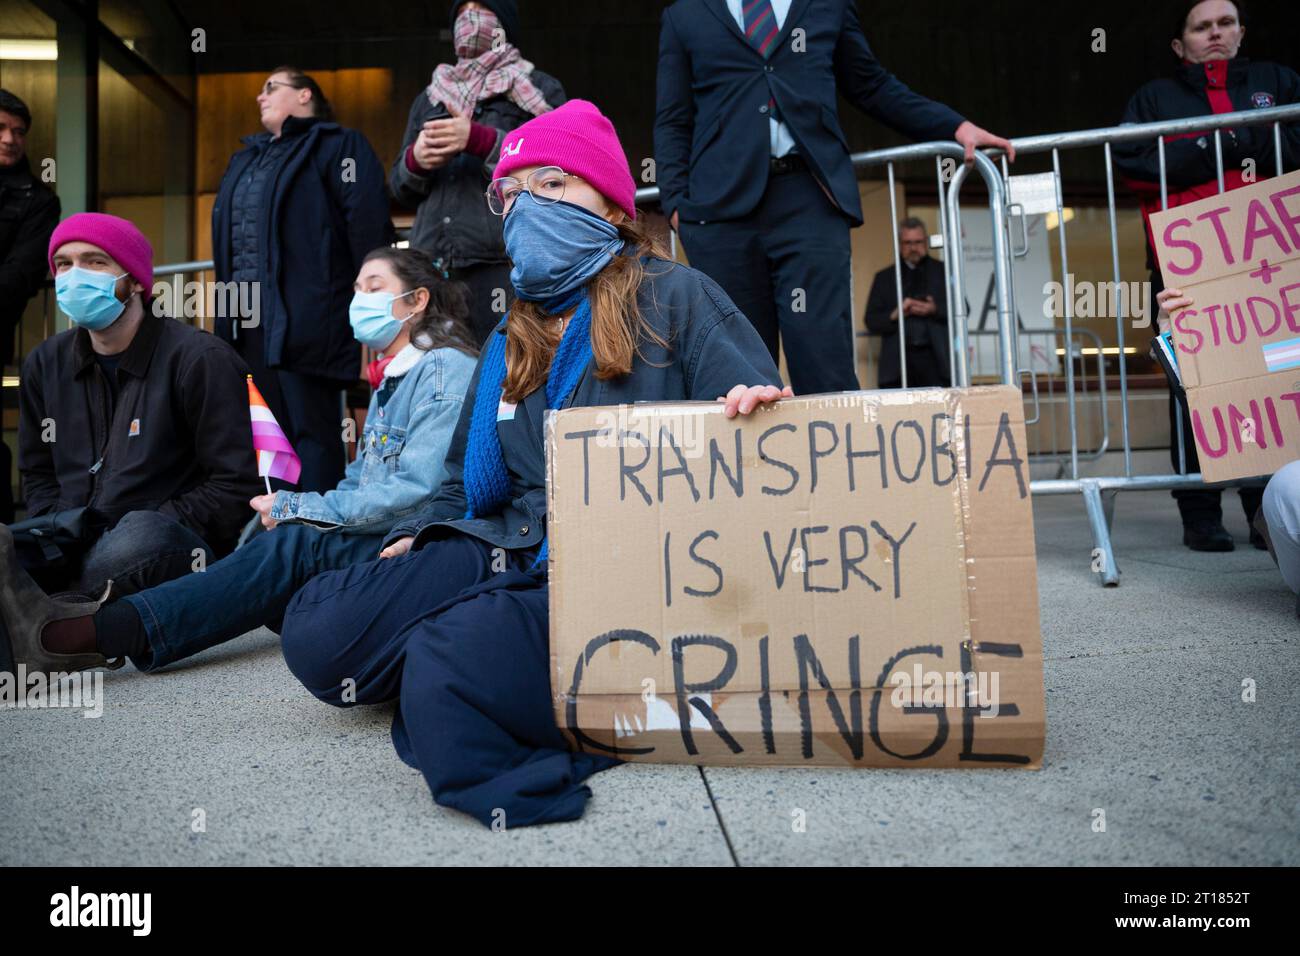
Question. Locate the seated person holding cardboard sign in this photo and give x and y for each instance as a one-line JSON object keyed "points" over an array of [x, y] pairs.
{"points": [[453, 620]]}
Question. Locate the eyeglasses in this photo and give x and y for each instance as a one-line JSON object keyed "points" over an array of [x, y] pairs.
{"points": [[545, 185], [270, 86]]}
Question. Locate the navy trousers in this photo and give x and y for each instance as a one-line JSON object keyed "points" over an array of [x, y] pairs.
{"points": [[244, 590], [458, 633], [786, 266]]}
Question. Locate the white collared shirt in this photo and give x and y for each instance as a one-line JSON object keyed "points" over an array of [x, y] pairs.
{"points": [[779, 137]]}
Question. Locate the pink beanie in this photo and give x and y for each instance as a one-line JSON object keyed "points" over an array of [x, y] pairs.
{"points": [[579, 139], [118, 237]]}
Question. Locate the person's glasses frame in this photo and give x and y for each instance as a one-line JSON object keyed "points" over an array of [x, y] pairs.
{"points": [[269, 86], [504, 190]]}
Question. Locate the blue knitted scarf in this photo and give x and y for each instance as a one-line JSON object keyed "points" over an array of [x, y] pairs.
{"points": [[487, 483]]}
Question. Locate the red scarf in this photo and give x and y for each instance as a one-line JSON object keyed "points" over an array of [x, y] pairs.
{"points": [[375, 371]]}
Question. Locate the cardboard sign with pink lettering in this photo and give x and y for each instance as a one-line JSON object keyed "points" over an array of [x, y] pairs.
{"points": [[1237, 255]]}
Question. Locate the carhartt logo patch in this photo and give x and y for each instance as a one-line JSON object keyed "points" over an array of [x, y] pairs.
{"points": [[134, 430]]}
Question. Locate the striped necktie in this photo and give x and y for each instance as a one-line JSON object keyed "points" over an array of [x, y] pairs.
{"points": [[760, 26]]}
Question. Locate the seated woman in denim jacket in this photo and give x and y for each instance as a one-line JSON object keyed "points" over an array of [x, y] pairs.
{"points": [[418, 321], [452, 620]]}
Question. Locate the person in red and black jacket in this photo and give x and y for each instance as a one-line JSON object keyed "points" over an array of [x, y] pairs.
{"points": [[1212, 78]]}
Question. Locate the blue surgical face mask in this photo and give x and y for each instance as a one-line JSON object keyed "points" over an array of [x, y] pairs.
{"points": [[556, 247], [88, 297], [373, 322]]}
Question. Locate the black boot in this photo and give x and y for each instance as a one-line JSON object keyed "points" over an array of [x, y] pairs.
{"points": [[1207, 536], [25, 610]]}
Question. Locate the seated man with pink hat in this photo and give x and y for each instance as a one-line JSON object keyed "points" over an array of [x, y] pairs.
{"points": [[133, 440]]}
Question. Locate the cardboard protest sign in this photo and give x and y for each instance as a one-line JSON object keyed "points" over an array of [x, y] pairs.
{"points": [[1238, 256], [836, 580]]}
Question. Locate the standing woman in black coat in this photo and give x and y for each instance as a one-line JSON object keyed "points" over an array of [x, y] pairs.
{"points": [[453, 135], [296, 212]]}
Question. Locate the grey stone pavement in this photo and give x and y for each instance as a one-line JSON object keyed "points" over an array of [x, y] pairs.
{"points": [[1145, 720]]}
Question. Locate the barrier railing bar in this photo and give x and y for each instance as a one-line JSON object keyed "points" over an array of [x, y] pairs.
{"points": [[1218, 158], [1001, 261], [947, 257], [1120, 311], [898, 278], [1144, 131], [1068, 315]]}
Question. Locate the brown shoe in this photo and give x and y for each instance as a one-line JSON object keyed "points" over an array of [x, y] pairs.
{"points": [[25, 610]]}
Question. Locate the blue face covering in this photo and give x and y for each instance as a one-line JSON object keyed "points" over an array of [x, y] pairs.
{"points": [[87, 297], [556, 247], [373, 322]]}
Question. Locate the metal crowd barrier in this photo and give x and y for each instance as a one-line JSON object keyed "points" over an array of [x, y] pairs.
{"points": [[1044, 439], [1099, 493]]}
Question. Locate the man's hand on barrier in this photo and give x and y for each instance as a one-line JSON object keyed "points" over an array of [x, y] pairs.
{"points": [[973, 137], [1170, 301], [262, 505], [398, 547], [743, 399]]}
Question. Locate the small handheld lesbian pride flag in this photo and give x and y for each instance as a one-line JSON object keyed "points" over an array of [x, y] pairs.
{"points": [[275, 456]]}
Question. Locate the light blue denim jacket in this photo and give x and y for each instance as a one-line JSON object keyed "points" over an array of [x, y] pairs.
{"points": [[400, 461]]}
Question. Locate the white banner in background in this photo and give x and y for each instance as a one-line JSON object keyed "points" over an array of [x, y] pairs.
{"points": [[1031, 273]]}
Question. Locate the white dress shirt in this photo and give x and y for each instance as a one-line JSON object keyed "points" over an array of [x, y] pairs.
{"points": [[778, 133]]}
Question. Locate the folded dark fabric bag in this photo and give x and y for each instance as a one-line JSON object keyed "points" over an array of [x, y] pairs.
{"points": [[55, 538]]}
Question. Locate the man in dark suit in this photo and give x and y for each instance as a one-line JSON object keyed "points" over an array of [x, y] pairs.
{"points": [[925, 314], [754, 170]]}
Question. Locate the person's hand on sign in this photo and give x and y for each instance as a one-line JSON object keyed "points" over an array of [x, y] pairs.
{"points": [[743, 399], [1170, 301], [398, 547], [262, 505]]}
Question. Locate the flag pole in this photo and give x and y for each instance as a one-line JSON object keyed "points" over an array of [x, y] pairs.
{"points": [[267, 479]]}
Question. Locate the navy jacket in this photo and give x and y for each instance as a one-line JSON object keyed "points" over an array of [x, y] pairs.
{"points": [[711, 124], [328, 208], [713, 347]]}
